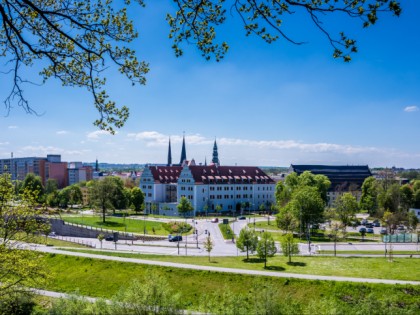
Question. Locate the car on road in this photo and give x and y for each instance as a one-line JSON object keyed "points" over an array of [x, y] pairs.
{"points": [[214, 220], [241, 218], [369, 230], [176, 238], [109, 238]]}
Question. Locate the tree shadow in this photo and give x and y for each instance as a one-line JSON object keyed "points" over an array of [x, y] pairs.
{"points": [[275, 268], [296, 264], [110, 224], [253, 260]]}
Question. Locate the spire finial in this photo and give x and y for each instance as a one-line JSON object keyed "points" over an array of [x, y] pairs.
{"points": [[183, 150], [169, 153], [215, 159]]}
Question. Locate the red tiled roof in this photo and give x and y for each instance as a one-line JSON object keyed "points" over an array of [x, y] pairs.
{"points": [[203, 174], [243, 173], [160, 173]]}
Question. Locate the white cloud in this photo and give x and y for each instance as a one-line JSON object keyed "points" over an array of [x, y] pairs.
{"points": [[62, 132], [12, 127], [154, 138], [95, 135], [410, 109], [4, 143]]}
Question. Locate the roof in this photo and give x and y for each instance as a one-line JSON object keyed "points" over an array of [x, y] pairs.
{"points": [[166, 174], [341, 176], [212, 174], [228, 174]]}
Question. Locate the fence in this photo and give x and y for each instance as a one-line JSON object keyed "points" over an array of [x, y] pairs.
{"points": [[402, 238]]}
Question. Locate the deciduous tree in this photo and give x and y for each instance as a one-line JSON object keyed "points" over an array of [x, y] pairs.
{"points": [[266, 247], [247, 241], [19, 219], [184, 206], [345, 209], [137, 198], [101, 194], [289, 246], [208, 245]]}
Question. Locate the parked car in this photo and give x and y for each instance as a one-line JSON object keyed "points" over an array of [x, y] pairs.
{"points": [[242, 218], [109, 238], [383, 231], [176, 238], [364, 221], [362, 230], [369, 230], [214, 220], [376, 224], [369, 225]]}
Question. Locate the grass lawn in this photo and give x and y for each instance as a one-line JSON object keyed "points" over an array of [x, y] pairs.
{"points": [[94, 277], [360, 267], [226, 231], [264, 225], [119, 224]]}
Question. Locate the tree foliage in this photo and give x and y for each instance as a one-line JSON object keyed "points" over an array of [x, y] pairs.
{"points": [[266, 247], [33, 184], [247, 241], [101, 194], [346, 207], [208, 245], [289, 246], [197, 21], [76, 41], [19, 220], [137, 198], [368, 200], [184, 206]]}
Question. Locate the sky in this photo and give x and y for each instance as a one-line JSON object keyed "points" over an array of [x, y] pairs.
{"points": [[266, 105]]}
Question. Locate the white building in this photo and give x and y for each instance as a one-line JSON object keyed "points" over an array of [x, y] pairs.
{"points": [[232, 188], [208, 188]]}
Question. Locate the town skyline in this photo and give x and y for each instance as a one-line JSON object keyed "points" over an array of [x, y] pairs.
{"points": [[266, 104]]}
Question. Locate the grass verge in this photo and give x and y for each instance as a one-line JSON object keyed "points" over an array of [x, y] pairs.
{"points": [[100, 278], [361, 267]]}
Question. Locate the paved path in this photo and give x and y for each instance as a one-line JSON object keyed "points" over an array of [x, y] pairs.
{"points": [[227, 270]]}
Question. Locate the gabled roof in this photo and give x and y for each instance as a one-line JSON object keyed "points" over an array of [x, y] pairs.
{"points": [[228, 174], [165, 174]]}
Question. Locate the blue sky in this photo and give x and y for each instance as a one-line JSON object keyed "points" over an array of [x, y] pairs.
{"points": [[266, 104]]}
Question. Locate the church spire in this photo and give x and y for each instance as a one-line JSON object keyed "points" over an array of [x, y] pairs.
{"points": [[183, 151], [96, 165], [169, 153], [215, 159]]}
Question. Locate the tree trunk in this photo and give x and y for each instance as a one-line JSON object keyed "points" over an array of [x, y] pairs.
{"points": [[335, 247], [247, 256], [103, 214]]}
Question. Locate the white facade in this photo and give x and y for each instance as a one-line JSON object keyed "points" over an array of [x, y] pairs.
{"points": [[207, 188]]}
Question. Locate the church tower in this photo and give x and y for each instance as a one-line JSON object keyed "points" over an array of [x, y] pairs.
{"points": [[96, 165], [215, 159], [169, 153], [183, 151]]}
